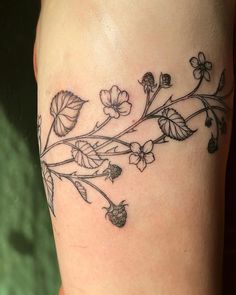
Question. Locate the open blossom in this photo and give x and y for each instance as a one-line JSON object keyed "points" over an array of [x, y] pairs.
{"points": [[201, 66], [141, 155], [115, 102]]}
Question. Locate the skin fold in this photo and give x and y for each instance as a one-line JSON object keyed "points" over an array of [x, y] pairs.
{"points": [[171, 241]]}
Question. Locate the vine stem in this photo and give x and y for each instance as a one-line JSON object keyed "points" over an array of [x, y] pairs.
{"points": [[100, 154], [203, 110], [147, 103], [83, 178], [154, 96], [49, 133], [58, 174], [104, 123], [47, 149], [147, 116], [61, 163], [111, 139], [218, 99], [98, 190], [205, 103], [163, 136], [160, 139], [172, 102]]}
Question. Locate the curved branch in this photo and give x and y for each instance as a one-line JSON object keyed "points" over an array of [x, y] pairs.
{"points": [[161, 138], [97, 189], [148, 116], [89, 134]]}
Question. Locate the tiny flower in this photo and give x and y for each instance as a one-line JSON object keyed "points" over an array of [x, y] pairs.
{"points": [[201, 66], [208, 121], [148, 82], [117, 214], [115, 102], [113, 171], [141, 155], [165, 80], [212, 145]]}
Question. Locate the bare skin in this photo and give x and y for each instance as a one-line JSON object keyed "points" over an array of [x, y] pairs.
{"points": [[172, 234]]}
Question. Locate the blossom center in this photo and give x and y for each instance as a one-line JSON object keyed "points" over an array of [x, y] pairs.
{"points": [[115, 107]]}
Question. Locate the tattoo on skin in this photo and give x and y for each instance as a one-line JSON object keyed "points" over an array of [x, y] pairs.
{"points": [[98, 154]]}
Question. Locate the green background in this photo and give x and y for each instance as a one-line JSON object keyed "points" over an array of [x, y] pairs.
{"points": [[27, 255]]}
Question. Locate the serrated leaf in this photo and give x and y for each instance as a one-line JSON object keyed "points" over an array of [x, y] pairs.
{"points": [[81, 189], [85, 155], [173, 125], [48, 185], [65, 108]]}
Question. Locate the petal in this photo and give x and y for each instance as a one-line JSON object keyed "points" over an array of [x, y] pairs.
{"points": [[207, 75], [135, 147], [134, 159], [194, 62], [208, 65], [105, 98], [201, 57], [149, 158], [197, 73], [148, 146], [123, 96], [114, 92], [111, 112], [125, 108], [141, 165]]}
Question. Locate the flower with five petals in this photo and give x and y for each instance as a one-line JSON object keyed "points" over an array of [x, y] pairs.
{"points": [[201, 67], [141, 155], [115, 102]]}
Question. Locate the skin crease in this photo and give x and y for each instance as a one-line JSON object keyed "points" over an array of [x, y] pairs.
{"points": [[174, 221]]}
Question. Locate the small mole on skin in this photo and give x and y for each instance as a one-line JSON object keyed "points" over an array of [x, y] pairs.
{"points": [[133, 121]]}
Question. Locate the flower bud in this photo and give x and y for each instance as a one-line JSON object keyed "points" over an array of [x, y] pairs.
{"points": [[148, 82], [208, 122], [212, 145], [113, 171], [117, 214], [165, 80]]}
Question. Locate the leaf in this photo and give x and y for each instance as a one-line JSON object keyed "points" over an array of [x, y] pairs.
{"points": [[221, 82], [65, 108], [173, 125], [81, 189], [85, 155], [48, 185]]}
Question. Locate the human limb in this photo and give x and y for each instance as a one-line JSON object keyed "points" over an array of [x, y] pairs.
{"points": [[175, 203]]}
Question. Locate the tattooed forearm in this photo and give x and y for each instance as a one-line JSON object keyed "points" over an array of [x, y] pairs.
{"points": [[95, 152]]}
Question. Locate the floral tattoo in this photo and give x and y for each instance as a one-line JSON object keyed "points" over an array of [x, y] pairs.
{"points": [[95, 152]]}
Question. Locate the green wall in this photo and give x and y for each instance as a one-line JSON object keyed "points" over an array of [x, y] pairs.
{"points": [[27, 255]]}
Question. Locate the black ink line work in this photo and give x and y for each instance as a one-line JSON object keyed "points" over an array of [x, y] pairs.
{"points": [[93, 152]]}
